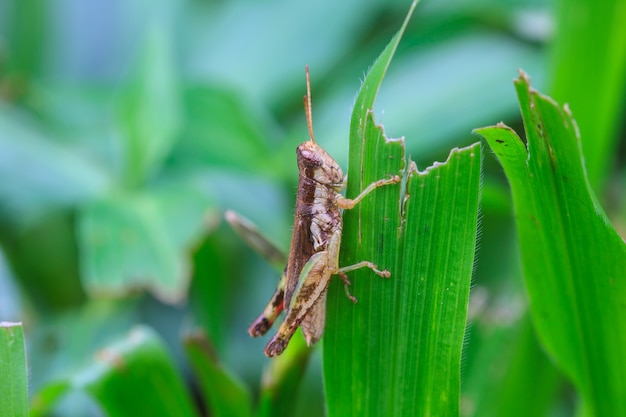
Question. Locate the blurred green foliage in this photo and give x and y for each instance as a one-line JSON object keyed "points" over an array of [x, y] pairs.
{"points": [[127, 127]]}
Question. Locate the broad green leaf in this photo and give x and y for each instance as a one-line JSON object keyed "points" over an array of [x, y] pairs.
{"points": [[44, 400], [225, 396], [588, 65], [133, 376], [142, 241], [61, 342], [224, 130], [150, 109], [13, 371], [45, 175], [136, 377], [398, 350], [573, 259]]}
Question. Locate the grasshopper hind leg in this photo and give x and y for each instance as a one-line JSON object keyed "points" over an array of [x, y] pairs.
{"points": [[271, 312], [304, 305]]}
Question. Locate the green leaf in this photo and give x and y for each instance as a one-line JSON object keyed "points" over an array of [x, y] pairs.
{"points": [[136, 377], [225, 396], [142, 241], [398, 351], [13, 371], [225, 130], [43, 401], [369, 89], [151, 108], [43, 259], [573, 259], [458, 101], [45, 175], [591, 35]]}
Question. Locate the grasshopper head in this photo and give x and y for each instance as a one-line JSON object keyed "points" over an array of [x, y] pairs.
{"points": [[315, 163]]}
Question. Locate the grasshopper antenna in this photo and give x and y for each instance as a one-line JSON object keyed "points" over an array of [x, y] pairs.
{"points": [[307, 105]]}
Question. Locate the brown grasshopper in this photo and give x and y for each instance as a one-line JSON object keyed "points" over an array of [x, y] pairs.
{"points": [[315, 243]]}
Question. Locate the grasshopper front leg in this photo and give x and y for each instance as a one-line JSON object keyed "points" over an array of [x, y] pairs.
{"points": [[347, 204]]}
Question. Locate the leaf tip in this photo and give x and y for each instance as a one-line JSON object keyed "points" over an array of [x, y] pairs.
{"points": [[523, 77]]}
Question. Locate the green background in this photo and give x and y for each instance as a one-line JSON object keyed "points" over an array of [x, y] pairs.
{"points": [[128, 127]]}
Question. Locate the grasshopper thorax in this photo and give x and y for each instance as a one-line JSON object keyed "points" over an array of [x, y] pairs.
{"points": [[315, 163]]}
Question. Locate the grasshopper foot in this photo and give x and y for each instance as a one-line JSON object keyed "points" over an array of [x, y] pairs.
{"points": [[259, 327], [346, 286], [394, 179], [276, 346], [383, 274], [364, 264]]}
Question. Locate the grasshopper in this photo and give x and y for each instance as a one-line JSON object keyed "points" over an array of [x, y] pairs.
{"points": [[315, 243]]}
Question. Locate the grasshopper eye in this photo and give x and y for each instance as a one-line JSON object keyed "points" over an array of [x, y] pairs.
{"points": [[312, 159]]}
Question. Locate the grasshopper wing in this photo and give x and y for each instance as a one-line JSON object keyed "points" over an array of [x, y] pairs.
{"points": [[313, 323]]}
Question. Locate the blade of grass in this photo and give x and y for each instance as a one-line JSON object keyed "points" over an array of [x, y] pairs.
{"points": [[398, 351], [439, 246], [573, 259], [13, 371], [365, 102]]}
